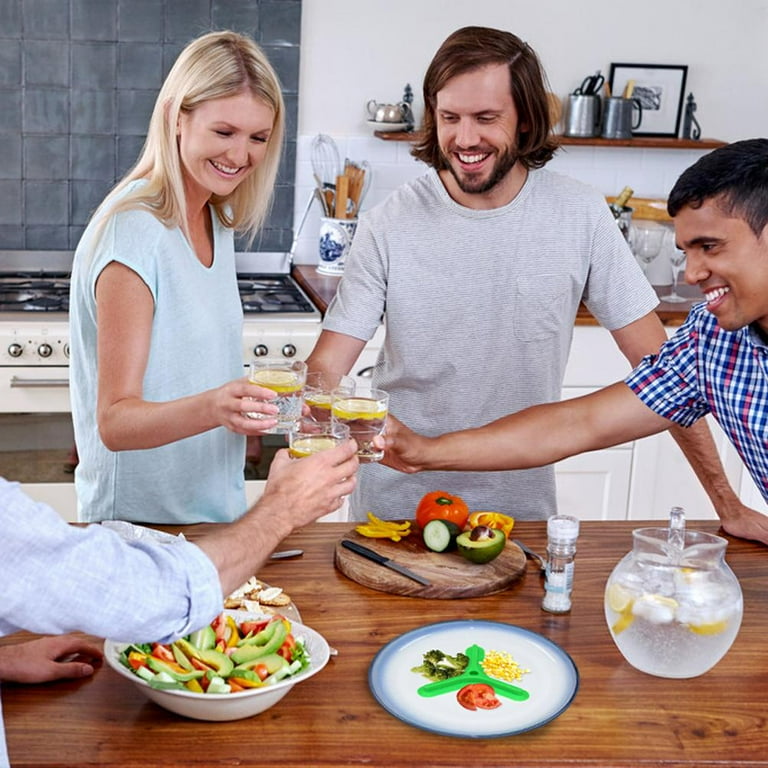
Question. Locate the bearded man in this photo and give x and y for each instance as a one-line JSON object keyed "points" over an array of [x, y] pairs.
{"points": [[478, 268]]}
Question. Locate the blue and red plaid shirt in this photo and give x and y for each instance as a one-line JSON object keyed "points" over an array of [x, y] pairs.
{"points": [[705, 369]]}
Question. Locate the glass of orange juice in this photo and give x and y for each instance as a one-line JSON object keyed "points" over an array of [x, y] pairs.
{"points": [[286, 378], [365, 413], [310, 436]]}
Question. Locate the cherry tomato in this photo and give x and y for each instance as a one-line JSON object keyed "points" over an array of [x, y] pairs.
{"points": [[439, 505], [478, 696]]}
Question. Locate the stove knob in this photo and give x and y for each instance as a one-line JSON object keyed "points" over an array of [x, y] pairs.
{"points": [[261, 350], [15, 349], [289, 350], [45, 350], [66, 350]]}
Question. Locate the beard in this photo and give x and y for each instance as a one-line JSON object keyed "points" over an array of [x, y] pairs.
{"points": [[473, 184]]}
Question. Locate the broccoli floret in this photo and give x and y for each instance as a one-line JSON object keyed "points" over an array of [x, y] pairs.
{"points": [[437, 665]]}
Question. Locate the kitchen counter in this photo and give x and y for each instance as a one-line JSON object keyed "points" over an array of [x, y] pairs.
{"points": [[619, 717], [321, 289]]}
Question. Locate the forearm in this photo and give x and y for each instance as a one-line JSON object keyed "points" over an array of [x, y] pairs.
{"points": [[544, 434], [240, 549], [134, 424], [699, 449]]}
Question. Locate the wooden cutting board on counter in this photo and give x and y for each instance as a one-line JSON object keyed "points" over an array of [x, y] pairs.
{"points": [[450, 574]]}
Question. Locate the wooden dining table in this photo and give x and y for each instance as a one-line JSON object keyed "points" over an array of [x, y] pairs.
{"points": [[618, 717]]}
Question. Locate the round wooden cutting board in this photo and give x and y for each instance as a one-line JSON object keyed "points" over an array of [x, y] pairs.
{"points": [[450, 574]]}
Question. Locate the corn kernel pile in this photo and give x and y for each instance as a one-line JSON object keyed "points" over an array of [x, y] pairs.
{"points": [[501, 665]]}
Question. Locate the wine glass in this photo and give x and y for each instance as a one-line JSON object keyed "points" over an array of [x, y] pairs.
{"points": [[645, 243], [677, 260]]}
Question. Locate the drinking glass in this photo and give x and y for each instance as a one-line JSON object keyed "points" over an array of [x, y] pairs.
{"points": [[318, 389], [677, 260], [365, 413], [310, 437], [645, 242], [286, 378]]}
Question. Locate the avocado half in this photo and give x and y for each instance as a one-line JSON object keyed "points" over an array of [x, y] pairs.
{"points": [[481, 546]]}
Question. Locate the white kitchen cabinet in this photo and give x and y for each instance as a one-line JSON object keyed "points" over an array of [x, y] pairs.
{"points": [[643, 479]]}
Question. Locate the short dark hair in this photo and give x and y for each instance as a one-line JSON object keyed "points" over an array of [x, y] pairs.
{"points": [[471, 48], [736, 175]]}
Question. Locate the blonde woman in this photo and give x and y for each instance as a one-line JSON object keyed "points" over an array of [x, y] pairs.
{"points": [[158, 393]]}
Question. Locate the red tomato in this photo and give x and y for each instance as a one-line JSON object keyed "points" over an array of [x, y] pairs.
{"points": [[286, 649], [197, 664], [162, 652], [478, 696], [440, 505], [262, 671], [252, 627]]}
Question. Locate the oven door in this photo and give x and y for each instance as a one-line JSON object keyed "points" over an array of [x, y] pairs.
{"points": [[36, 435]]}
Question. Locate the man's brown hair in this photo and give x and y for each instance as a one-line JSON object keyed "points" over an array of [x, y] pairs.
{"points": [[471, 48]]}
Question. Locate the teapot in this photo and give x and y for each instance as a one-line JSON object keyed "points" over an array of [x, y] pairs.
{"points": [[672, 604], [387, 113]]}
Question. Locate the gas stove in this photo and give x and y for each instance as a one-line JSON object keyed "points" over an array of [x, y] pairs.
{"points": [[34, 291], [279, 318]]}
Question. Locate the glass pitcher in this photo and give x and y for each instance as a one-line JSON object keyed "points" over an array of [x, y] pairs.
{"points": [[673, 607]]}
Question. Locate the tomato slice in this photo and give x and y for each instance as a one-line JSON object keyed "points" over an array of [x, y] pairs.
{"points": [[478, 696], [162, 652]]}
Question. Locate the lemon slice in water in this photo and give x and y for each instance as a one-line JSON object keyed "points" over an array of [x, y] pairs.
{"points": [[358, 408], [277, 381]]}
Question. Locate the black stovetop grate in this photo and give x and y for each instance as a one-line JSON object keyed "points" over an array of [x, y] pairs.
{"points": [[49, 292]]}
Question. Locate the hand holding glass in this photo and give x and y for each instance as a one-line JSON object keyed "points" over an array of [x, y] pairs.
{"points": [[286, 378], [365, 413]]}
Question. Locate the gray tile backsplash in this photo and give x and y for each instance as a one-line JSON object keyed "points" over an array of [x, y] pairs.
{"points": [[78, 80]]}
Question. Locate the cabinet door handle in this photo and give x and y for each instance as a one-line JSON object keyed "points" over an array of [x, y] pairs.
{"points": [[18, 381]]}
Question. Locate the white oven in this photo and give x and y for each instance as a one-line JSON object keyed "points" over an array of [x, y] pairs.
{"points": [[37, 445]]}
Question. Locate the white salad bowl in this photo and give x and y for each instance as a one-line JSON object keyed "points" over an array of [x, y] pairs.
{"points": [[226, 706]]}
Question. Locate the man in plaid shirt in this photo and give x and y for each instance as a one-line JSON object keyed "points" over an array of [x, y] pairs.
{"points": [[716, 363]]}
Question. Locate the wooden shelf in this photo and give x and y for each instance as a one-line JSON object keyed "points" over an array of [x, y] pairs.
{"points": [[638, 142], [643, 142]]}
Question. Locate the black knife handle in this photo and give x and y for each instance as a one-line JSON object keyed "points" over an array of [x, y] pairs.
{"points": [[364, 551]]}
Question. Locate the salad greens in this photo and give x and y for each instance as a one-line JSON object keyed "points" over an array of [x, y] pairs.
{"points": [[438, 665]]}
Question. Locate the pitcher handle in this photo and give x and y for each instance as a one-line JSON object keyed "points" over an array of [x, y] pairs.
{"points": [[370, 107], [636, 103]]}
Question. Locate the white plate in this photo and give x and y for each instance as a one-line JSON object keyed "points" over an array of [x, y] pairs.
{"points": [[391, 127], [552, 681]]}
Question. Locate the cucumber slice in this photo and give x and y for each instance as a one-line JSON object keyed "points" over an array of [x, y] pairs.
{"points": [[440, 535]]}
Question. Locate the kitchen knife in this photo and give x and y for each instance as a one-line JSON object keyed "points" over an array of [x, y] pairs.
{"points": [[286, 553], [381, 560]]}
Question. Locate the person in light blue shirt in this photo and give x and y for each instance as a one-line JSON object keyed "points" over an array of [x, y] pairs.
{"points": [[59, 578], [716, 363], [159, 393]]}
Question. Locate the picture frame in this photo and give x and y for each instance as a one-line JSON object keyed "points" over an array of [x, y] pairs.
{"points": [[660, 89]]}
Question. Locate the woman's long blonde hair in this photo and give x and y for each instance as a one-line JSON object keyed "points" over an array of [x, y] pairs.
{"points": [[214, 66]]}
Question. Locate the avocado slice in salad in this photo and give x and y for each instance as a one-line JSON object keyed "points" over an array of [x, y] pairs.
{"points": [[253, 651], [157, 665], [203, 638]]}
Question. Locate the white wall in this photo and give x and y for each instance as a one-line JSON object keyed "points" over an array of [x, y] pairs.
{"points": [[356, 50]]}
